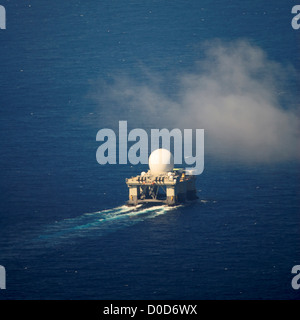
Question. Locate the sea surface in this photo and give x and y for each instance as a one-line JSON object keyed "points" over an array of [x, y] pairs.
{"points": [[65, 232]]}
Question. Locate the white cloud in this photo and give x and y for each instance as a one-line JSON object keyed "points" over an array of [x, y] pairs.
{"points": [[234, 94]]}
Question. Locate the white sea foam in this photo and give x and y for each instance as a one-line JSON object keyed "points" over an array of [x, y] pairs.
{"points": [[102, 222]]}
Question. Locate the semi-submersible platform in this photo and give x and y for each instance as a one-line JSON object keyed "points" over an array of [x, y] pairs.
{"points": [[162, 183]]}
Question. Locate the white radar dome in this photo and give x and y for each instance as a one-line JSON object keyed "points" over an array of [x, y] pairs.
{"points": [[160, 161]]}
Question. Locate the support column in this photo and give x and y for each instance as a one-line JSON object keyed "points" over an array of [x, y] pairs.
{"points": [[171, 195], [133, 195]]}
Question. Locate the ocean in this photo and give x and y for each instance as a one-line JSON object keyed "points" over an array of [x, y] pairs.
{"points": [[71, 68]]}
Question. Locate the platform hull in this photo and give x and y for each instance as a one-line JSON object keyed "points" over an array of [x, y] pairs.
{"points": [[168, 188]]}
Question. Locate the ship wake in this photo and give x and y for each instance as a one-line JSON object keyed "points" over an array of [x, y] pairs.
{"points": [[100, 223]]}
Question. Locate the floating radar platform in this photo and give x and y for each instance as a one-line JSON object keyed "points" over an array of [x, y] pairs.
{"points": [[162, 183]]}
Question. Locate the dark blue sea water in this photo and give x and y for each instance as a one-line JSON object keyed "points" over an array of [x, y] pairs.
{"points": [[65, 232]]}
